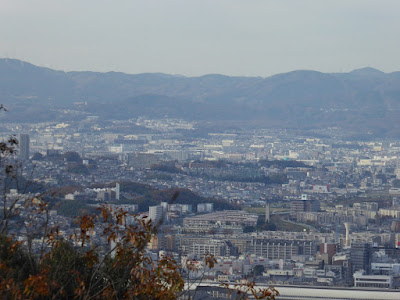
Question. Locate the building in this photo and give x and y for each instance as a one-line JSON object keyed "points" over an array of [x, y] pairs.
{"points": [[316, 188], [267, 213], [360, 257], [117, 191], [238, 217], [372, 281], [106, 195], [366, 206], [24, 146], [143, 160], [213, 247], [304, 205], [187, 208], [220, 222], [385, 269], [280, 249], [130, 208], [205, 207], [322, 217], [155, 213], [393, 213], [167, 242], [164, 205], [329, 249]]}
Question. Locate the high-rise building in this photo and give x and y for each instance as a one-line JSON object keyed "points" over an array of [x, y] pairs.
{"points": [[24, 146], [164, 206], [267, 213], [304, 205], [155, 213], [117, 190], [360, 257], [329, 249]]}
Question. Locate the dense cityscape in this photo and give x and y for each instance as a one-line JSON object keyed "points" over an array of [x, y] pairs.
{"points": [[270, 205]]}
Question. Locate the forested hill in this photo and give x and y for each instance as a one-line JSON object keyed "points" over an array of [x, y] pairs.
{"points": [[367, 99]]}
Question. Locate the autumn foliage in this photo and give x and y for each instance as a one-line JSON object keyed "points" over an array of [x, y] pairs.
{"points": [[79, 269]]}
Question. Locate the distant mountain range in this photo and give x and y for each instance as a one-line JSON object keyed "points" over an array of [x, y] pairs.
{"points": [[364, 100]]}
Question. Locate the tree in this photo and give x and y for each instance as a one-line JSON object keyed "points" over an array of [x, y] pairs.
{"points": [[84, 270], [80, 271], [72, 156], [8, 176], [258, 270]]}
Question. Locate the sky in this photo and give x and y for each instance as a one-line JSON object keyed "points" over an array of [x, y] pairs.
{"points": [[197, 37]]}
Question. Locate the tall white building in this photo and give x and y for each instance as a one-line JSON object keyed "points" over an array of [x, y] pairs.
{"points": [[164, 205], [117, 190], [267, 213], [155, 213]]}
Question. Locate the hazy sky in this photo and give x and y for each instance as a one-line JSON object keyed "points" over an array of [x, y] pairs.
{"points": [[232, 37]]}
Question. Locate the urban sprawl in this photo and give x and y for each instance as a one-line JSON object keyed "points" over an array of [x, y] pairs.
{"points": [[273, 205]]}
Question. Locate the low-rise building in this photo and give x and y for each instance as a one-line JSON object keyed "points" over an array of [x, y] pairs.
{"points": [[372, 281]]}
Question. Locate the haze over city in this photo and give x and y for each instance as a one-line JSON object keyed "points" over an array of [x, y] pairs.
{"points": [[199, 149]]}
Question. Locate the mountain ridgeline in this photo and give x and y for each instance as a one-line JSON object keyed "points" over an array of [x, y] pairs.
{"points": [[365, 100]]}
